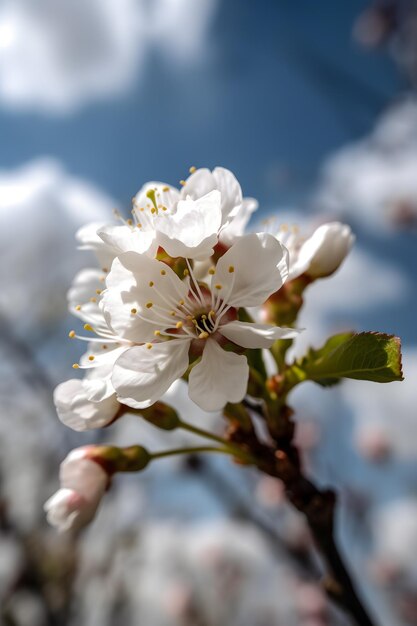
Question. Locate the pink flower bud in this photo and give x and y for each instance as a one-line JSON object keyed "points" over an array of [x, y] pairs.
{"points": [[83, 483]]}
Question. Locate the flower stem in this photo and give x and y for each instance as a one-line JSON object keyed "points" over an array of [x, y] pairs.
{"points": [[196, 450], [233, 449]]}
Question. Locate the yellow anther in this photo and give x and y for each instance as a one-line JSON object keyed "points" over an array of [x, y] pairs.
{"points": [[181, 302], [163, 272], [78, 307], [186, 272], [153, 210], [138, 225], [105, 269], [164, 208], [71, 334], [182, 182], [284, 227], [179, 325], [204, 317], [192, 169], [212, 271], [141, 208], [151, 283], [149, 346], [133, 311], [98, 291], [157, 333], [149, 305], [231, 269], [93, 299], [165, 188], [211, 313], [88, 327], [218, 286], [203, 335], [104, 346], [173, 313], [190, 318], [129, 221], [75, 366], [91, 357]]}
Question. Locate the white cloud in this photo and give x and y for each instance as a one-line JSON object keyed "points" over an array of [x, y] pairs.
{"points": [[41, 207], [375, 180], [56, 55]]}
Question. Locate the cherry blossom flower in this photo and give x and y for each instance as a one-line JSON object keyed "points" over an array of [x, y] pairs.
{"points": [[185, 223], [83, 483], [173, 319], [319, 255]]}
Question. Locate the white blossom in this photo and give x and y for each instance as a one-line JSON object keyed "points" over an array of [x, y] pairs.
{"points": [[185, 223], [147, 303], [319, 255], [82, 485]]}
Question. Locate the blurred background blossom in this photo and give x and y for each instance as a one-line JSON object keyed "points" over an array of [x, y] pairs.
{"points": [[314, 109]]}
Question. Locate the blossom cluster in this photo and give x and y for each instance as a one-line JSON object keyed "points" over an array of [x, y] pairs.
{"points": [[181, 292]]}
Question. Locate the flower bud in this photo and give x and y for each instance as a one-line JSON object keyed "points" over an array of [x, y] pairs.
{"points": [[83, 483], [327, 249], [84, 476], [75, 410], [161, 415]]}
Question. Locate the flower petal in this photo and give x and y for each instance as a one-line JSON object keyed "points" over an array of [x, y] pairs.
{"points": [[89, 240], [142, 375], [219, 377], [192, 230], [123, 238], [251, 335], [147, 286], [202, 181], [236, 227], [165, 194], [326, 249], [76, 411], [254, 268]]}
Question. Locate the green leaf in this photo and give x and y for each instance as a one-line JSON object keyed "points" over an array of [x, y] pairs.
{"points": [[364, 356]]}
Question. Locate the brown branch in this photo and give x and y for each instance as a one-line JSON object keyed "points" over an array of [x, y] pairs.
{"points": [[318, 506]]}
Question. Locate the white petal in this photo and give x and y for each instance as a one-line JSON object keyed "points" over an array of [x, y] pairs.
{"points": [[122, 238], [167, 195], [219, 377], [128, 288], [192, 230], [89, 240], [251, 335], [236, 227], [326, 249], [229, 187], [83, 293], [76, 411], [141, 375], [260, 265], [202, 181]]}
